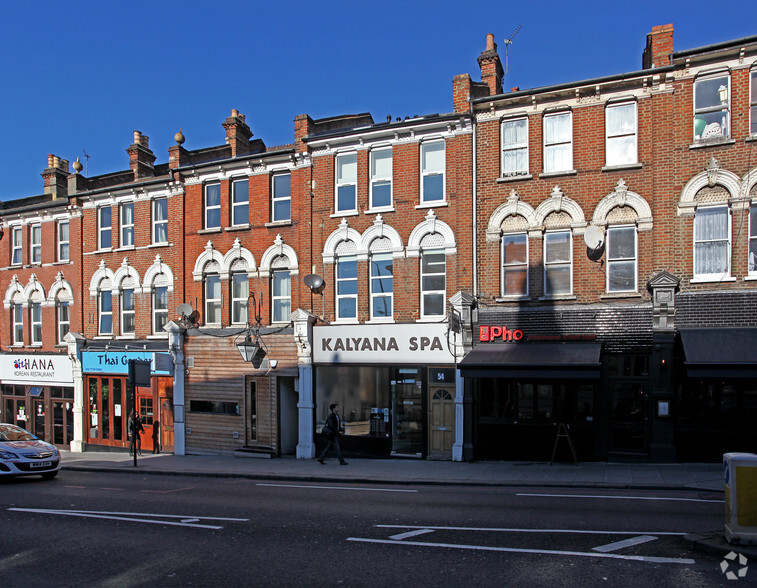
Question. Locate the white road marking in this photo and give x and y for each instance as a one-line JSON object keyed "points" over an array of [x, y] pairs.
{"points": [[625, 543], [130, 516], [415, 533], [512, 530], [335, 488], [168, 491], [536, 551], [621, 497]]}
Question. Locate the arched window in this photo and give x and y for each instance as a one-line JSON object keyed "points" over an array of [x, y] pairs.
{"points": [[105, 307], [382, 279], [159, 304], [433, 276], [346, 281]]}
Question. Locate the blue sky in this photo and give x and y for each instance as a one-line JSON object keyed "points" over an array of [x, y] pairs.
{"points": [[82, 76]]}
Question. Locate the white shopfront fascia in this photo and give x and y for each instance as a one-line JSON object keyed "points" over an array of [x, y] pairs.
{"points": [[416, 343], [38, 370]]}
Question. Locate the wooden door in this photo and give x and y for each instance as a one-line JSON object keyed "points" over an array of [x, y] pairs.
{"points": [[163, 425], [145, 406], [442, 421]]}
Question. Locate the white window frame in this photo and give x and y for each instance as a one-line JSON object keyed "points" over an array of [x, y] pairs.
{"points": [[381, 179], [612, 231], [279, 198], [237, 206], [518, 266], [102, 313], [35, 322], [702, 113], [509, 147], [126, 224], [346, 181], [553, 143], [342, 282], [17, 246], [429, 171], [127, 312], [717, 276], [17, 320], [159, 310], [239, 309], [379, 283], [281, 301], [63, 318], [621, 136], [35, 244], [159, 225], [215, 303], [208, 208], [64, 241], [435, 292], [753, 102], [752, 253], [103, 229], [557, 265]]}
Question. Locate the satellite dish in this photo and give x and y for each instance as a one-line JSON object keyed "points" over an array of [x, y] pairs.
{"points": [[315, 283], [184, 309], [594, 237]]}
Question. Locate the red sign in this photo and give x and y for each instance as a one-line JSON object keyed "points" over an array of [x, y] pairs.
{"points": [[492, 333]]}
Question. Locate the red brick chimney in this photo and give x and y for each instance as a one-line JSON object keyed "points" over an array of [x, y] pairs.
{"points": [[55, 176], [491, 67], [303, 126], [141, 158], [177, 155], [462, 87], [659, 47], [238, 134]]}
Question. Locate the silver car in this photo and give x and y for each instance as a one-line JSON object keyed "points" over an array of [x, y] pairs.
{"points": [[22, 454]]}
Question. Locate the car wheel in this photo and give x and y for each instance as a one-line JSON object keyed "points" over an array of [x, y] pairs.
{"points": [[49, 475]]}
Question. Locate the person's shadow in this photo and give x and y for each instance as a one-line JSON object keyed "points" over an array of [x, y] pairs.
{"points": [[156, 437]]}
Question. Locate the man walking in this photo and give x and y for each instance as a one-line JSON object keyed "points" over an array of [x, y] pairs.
{"points": [[333, 430]]}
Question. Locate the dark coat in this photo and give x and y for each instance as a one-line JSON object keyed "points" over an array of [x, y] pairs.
{"points": [[333, 422]]}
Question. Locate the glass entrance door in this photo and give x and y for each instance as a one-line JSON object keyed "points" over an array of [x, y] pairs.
{"points": [[407, 412], [63, 422], [39, 419], [630, 423]]}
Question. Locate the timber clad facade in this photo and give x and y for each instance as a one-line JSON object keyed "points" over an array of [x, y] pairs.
{"points": [[610, 223]]}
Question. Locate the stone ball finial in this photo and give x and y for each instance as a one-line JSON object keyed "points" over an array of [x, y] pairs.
{"points": [[179, 137], [78, 166]]}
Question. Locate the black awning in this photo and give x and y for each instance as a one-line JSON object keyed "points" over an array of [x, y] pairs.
{"points": [[720, 353], [533, 360]]}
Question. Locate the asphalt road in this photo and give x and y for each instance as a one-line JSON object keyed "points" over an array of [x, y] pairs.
{"points": [[109, 529]]}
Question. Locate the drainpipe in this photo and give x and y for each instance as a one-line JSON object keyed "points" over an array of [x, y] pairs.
{"points": [[474, 207]]}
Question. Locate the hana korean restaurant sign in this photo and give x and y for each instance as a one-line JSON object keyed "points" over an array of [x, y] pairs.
{"points": [[35, 369], [405, 343], [117, 362]]}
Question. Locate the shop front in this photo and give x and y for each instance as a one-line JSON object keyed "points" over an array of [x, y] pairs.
{"points": [[109, 401], [37, 394], [396, 387]]}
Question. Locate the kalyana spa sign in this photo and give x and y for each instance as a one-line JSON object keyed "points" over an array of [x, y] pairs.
{"points": [[413, 343]]}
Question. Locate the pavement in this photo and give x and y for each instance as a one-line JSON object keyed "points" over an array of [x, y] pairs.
{"points": [[678, 476], [703, 478]]}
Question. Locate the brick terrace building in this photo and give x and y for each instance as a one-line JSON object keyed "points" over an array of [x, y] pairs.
{"points": [[616, 243]]}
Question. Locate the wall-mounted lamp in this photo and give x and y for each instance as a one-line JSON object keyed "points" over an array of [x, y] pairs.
{"points": [[273, 363]]}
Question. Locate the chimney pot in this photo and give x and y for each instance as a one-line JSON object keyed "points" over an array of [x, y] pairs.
{"points": [[490, 46], [234, 112], [137, 137], [50, 160]]}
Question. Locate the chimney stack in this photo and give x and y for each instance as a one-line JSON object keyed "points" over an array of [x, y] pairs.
{"points": [[55, 176], [303, 126], [659, 47], [141, 158], [238, 134], [491, 67]]}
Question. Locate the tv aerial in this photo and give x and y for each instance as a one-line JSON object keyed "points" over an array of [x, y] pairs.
{"points": [[509, 42]]}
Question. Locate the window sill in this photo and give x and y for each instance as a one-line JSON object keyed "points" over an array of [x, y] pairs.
{"points": [[62, 262], [103, 337], [711, 143], [379, 209], [712, 280], [156, 245], [16, 346], [750, 139], [380, 321], [281, 223], [505, 179], [104, 250], [554, 174], [512, 298], [437, 204], [624, 166], [125, 248], [619, 295], [35, 345], [157, 336], [345, 322], [750, 278], [343, 214], [129, 337], [432, 319], [209, 231], [232, 228], [558, 297]]}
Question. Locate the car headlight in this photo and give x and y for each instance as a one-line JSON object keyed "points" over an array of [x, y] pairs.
{"points": [[7, 455]]}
